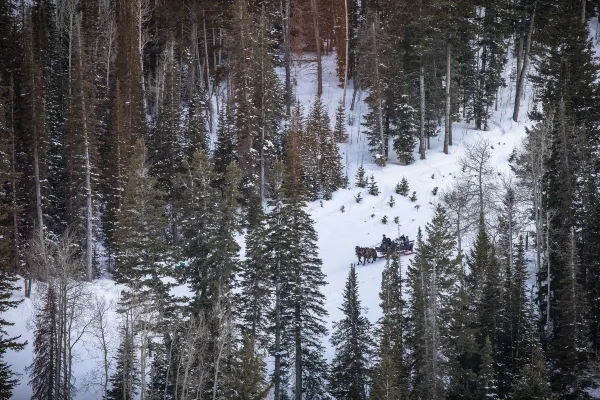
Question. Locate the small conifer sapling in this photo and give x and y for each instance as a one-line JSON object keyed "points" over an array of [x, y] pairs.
{"points": [[373, 188]]}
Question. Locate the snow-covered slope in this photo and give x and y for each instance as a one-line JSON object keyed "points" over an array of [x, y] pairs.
{"points": [[338, 232], [360, 224]]}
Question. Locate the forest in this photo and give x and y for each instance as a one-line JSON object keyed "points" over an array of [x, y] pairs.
{"points": [[163, 146]]}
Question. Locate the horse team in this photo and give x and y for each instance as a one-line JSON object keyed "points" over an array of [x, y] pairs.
{"points": [[367, 254]]}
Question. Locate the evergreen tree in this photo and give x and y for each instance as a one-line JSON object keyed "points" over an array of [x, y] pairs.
{"points": [[390, 379], [402, 187], [464, 351], [339, 130], [569, 352], [7, 287], [225, 146], [432, 277], [533, 381], [485, 286], [196, 204], [144, 257], [517, 336], [321, 161], [197, 135], [246, 378], [165, 145], [351, 337], [361, 181], [373, 188], [124, 381], [299, 304], [255, 294], [488, 388], [43, 377]]}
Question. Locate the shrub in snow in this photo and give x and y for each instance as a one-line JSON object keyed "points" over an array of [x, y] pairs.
{"points": [[417, 207], [373, 188], [358, 198], [342, 209], [402, 187], [391, 201], [384, 219], [413, 197], [396, 220], [434, 191]]}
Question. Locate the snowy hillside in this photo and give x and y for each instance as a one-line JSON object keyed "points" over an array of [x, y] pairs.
{"points": [[360, 224], [339, 232]]}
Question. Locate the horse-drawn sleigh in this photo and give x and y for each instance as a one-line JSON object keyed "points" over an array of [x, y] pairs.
{"points": [[400, 246]]}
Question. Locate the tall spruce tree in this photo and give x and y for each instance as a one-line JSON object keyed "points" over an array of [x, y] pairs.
{"points": [[125, 380], [255, 287], [533, 381], [144, 256], [464, 357], [433, 279], [43, 377], [518, 331], [299, 304], [8, 379], [351, 368], [390, 380]]}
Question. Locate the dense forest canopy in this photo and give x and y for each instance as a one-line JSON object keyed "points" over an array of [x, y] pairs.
{"points": [[139, 138]]}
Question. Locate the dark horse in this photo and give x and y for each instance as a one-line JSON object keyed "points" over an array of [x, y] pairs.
{"points": [[366, 254]]}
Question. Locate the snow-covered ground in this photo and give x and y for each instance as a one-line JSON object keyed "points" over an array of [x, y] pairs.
{"points": [[338, 232], [360, 224]]}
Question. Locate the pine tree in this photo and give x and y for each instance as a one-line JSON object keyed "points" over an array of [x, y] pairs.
{"points": [[569, 351], [485, 286], [165, 142], [533, 381], [405, 133], [351, 337], [488, 388], [339, 130], [402, 187], [246, 377], [197, 135], [225, 147], [42, 373], [196, 204], [390, 379], [518, 331], [144, 257], [432, 276], [321, 161], [299, 302], [464, 351], [373, 188], [7, 287], [124, 381], [255, 294], [361, 181]]}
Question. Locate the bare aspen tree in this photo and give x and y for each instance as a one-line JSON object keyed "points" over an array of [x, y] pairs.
{"points": [[533, 157], [102, 331], [478, 173], [62, 265], [457, 202]]}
